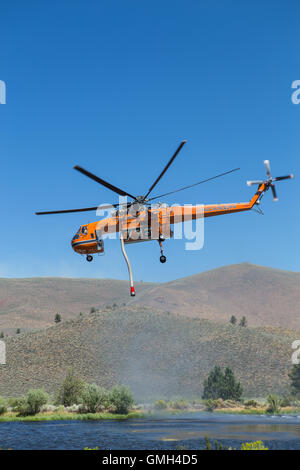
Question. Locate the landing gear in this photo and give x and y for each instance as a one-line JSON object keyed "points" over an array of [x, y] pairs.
{"points": [[89, 258], [162, 258]]}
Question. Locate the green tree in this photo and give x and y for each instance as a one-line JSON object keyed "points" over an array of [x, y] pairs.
{"points": [[233, 320], [222, 385], [70, 390], [94, 398], [57, 318], [1, 335], [243, 322], [122, 399], [294, 376], [18, 331]]}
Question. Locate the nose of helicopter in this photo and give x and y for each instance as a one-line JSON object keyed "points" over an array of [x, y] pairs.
{"points": [[74, 240]]}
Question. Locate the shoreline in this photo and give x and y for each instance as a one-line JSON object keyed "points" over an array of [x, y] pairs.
{"points": [[137, 414], [65, 416]]}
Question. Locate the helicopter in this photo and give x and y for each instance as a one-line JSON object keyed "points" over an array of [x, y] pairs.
{"points": [[141, 220]]}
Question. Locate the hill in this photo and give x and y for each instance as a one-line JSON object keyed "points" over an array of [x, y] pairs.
{"points": [[156, 354], [265, 296]]}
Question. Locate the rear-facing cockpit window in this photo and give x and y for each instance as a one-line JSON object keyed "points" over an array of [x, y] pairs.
{"points": [[84, 230]]}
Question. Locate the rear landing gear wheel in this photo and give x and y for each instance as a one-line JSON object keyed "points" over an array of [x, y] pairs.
{"points": [[162, 259], [89, 258]]}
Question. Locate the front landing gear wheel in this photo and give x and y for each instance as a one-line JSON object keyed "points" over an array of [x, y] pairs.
{"points": [[162, 259], [89, 258]]}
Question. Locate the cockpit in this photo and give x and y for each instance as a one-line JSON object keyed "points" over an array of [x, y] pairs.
{"points": [[76, 236]]}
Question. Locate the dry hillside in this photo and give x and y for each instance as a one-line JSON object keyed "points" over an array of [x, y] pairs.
{"points": [[265, 296], [157, 354]]}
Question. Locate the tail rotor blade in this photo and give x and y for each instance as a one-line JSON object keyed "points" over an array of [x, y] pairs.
{"points": [[280, 178], [268, 168], [274, 192], [250, 183]]}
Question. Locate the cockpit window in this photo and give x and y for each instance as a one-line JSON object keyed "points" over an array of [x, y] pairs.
{"points": [[84, 230]]}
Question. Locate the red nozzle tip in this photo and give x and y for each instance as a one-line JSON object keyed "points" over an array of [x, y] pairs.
{"points": [[132, 291]]}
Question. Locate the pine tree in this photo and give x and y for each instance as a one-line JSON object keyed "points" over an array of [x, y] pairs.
{"points": [[233, 389], [233, 320], [243, 322], [222, 385], [57, 318]]}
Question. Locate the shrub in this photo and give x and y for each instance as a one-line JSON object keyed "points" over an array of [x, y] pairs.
{"points": [[220, 403], [3, 407], [18, 405], [160, 405], [217, 445], [35, 400], [258, 445], [274, 404], [251, 403], [285, 401], [94, 398], [222, 385], [229, 404], [70, 390], [121, 398], [57, 318], [211, 405], [179, 404], [31, 404]]}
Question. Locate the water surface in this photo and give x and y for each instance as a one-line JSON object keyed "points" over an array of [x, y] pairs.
{"points": [[277, 432]]}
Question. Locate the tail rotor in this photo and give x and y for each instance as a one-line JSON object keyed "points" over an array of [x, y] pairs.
{"points": [[270, 181]]}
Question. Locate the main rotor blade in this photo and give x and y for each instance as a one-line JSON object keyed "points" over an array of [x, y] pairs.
{"points": [[104, 183], [195, 184], [280, 178], [166, 167], [85, 209]]}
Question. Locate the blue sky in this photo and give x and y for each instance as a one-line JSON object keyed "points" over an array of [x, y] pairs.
{"points": [[114, 86]]}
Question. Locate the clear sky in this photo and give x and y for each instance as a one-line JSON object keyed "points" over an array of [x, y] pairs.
{"points": [[114, 86]]}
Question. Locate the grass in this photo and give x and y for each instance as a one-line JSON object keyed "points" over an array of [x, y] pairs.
{"points": [[64, 415]]}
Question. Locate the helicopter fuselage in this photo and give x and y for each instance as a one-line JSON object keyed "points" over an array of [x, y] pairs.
{"points": [[151, 223]]}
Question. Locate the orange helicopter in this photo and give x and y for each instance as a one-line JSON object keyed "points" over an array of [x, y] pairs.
{"points": [[140, 220]]}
